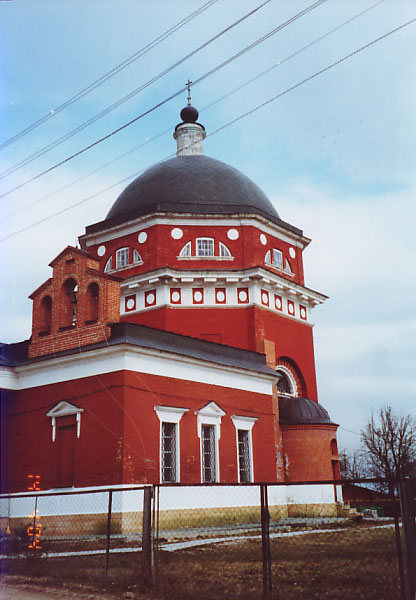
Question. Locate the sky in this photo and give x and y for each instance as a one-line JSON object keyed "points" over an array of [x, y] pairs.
{"points": [[336, 155]]}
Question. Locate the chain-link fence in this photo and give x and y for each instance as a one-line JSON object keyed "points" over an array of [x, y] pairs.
{"points": [[286, 541]]}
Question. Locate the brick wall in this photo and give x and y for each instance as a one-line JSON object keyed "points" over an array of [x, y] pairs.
{"points": [[74, 307]]}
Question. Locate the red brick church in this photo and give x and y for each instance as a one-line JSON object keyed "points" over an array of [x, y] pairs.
{"points": [[175, 345]]}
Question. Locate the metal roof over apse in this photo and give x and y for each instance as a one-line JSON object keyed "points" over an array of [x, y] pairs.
{"points": [[299, 411]]}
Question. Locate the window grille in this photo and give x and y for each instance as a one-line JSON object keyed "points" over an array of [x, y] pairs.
{"points": [[284, 385], [186, 250], [224, 250], [208, 453], [169, 438], [136, 257], [277, 258], [244, 455], [205, 247], [122, 258]]}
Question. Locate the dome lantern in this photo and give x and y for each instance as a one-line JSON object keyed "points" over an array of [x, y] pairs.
{"points": [[189, 134]]}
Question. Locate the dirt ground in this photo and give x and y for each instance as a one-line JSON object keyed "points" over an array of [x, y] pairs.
{"points": [[20, 588]]}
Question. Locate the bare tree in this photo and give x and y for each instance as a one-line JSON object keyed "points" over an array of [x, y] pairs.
{"points": [[389, 444], [352, 465]]}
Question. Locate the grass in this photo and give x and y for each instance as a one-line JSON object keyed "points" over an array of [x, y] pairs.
{"points": [[356, 564]]}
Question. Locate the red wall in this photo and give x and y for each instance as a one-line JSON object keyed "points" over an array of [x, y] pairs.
{"points": [[245, 328], [119, 441], [308, 454]]}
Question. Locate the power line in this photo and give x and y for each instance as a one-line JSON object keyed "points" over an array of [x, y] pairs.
{"points": [[169, 98], [206, 107], [125, 63], [127, 97], [237, 119]]}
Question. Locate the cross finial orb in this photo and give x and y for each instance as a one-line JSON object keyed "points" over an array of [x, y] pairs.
{"points": [[188, 85]]}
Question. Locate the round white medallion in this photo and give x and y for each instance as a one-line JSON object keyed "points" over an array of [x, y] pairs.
{"points": [[242, 296], [101, 250], [142, 237], [130, 303], [150, 298], [176, 233], [278, 303], [198, 296], [220, 296], [302, 313], [291, 309], [292, 252], [176, 296], [264, 298], [232, 234], [263, 239]]}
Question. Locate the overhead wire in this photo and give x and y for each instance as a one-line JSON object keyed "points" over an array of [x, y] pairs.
{"points": [[130, 95], [206, 107], [169, 98], [226, 125], [125, 63]]}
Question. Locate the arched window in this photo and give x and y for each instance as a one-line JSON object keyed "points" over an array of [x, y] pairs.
{"points": [[286, 384], [108, 265], [136, 257], [224, 251], [274, 257], [186, 250], [93, 292], [46, 314], [287, 266], [69, 303]]}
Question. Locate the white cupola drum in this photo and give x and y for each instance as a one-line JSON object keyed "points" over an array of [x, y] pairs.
{"points": [[189, 134]]}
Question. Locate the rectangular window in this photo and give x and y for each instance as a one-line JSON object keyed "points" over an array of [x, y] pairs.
{"points": [[277, 258], [205, 247], [122, 258], [169, 443], [244, 461], [209, 460]]}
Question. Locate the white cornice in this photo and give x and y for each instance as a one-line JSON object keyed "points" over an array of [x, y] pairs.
{"points": [[125, 357], [272, 281], [136, 225]]}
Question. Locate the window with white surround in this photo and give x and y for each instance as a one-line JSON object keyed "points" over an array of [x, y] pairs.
{"points": [[136, 257], [65, 409], [243, 427], [209, 433], [287, 383], [287, 266], [277, 258], [122, 258], [274, 257], [186, 250], [108, 265], [205, 247], [169, 417], [224, 252]]}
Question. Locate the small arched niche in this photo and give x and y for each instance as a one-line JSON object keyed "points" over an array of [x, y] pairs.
{"points": [[69, 303], [45, 314], [92, 308]]}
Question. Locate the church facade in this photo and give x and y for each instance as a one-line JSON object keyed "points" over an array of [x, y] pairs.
{"points": [[174, 345]]}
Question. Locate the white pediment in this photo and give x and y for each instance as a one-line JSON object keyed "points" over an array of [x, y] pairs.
{"points": [[210, 410], [64, 409]]}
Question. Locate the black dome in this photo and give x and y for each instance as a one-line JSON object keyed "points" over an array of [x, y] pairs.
{"points": [[298, 411], [189, 114], [191, 184]]}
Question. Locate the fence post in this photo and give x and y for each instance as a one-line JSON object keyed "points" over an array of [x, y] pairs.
{"points": [[147, 559], [107, 552], [409, 529], [265, 542]]}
